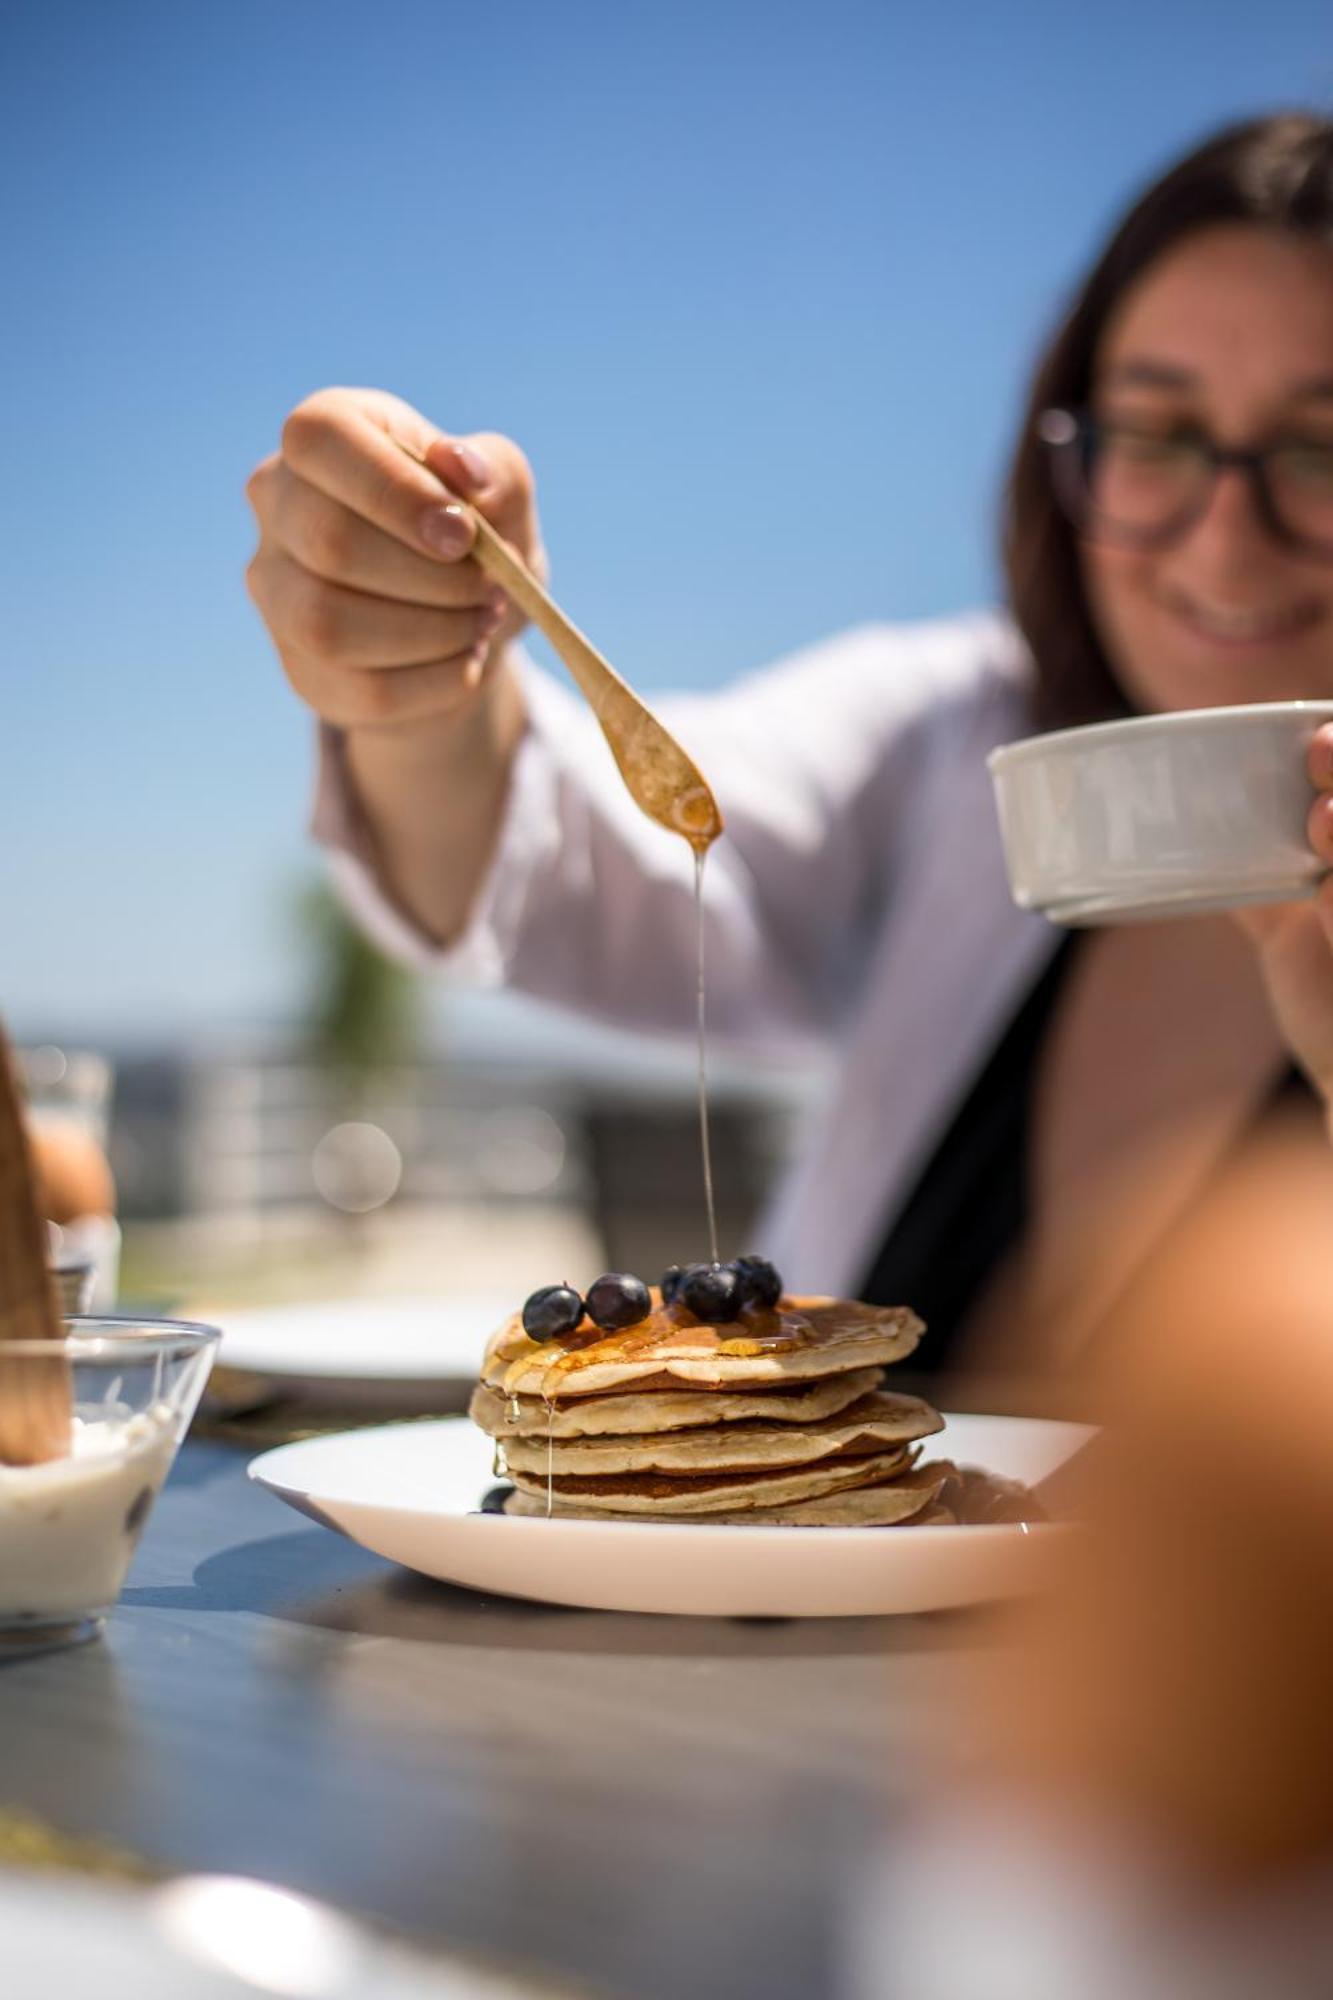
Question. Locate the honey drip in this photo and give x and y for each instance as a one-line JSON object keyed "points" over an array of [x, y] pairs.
{"points": [[700, 855]]}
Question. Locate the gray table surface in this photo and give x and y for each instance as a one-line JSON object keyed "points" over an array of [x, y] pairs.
{"points": [[634, 1806]]}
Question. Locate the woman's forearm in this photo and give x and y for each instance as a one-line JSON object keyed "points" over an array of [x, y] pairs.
{"points": [[432, 798]]}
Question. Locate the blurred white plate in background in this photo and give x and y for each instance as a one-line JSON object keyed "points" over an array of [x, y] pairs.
{"points": [[354, 1346]]}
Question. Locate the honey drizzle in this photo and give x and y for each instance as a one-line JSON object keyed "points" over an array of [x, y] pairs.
{"points": [[700, 856], [549, 1370]]}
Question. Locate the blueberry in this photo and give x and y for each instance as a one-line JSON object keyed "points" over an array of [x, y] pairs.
{"points": [[554, 1310], [760, 1284], [672, 1279], [711, 1291], [618, 1300]]}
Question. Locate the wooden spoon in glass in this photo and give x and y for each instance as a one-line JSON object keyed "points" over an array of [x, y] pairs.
{"points": [[659, 775], [35, 1402]]}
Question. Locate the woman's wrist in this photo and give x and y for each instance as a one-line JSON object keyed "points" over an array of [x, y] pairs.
{"points": [[430, 798]]}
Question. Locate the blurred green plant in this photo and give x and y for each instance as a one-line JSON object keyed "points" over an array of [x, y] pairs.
{"points": [[363, 1012]]}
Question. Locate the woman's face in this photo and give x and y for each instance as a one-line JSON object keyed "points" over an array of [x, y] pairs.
{"points": [[1231, 334]]}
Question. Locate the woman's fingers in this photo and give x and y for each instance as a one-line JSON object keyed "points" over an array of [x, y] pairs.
{"points": [[1319, 759], [1323, 903], [330, 541], [491, 472], [1319, 769], [364, 698], [349, 445], [334, 443], [328, 624], [1295, 940], [1295, 945], [1319, 827], [363, 572]]}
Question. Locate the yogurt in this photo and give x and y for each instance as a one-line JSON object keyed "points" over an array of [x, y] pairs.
{"points": [[69, 1527]]}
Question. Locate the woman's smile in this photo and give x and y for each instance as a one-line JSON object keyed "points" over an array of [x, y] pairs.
{"points": [[1238, 628]]}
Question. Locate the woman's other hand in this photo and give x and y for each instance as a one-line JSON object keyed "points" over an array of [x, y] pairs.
{"points": [[1295, 940]]}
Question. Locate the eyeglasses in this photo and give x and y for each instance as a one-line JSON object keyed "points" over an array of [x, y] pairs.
{"points": [[1144, 489]]}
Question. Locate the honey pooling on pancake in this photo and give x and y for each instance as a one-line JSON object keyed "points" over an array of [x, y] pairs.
{"points": [[801, 1339], [767, 1331]]}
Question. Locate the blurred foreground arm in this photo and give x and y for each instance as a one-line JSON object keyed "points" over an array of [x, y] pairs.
{"points": [[1148, 1810], [1178, 1681]]}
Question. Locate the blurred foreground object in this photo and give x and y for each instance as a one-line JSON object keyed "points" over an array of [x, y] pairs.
{"points": [[35, 1406], [1183, 1675], [73, 1173], [1153, 1812], [67, 1093], [213, 1937]]}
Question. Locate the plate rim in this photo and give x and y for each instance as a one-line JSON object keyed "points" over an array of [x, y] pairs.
{"points": [[714, 1532]]}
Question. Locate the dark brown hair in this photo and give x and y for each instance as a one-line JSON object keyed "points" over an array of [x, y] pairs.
{"points": [[1276, 173]]}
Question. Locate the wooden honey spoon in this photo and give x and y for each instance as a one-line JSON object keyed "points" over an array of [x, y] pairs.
{"points": [[35, 1396], [659, 775]]}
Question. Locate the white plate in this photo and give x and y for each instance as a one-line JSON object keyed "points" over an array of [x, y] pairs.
{"points": [[410, 1346], [411, 1492]]}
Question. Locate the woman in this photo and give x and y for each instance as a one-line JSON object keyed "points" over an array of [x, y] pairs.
{"points": [[1169, 544]]}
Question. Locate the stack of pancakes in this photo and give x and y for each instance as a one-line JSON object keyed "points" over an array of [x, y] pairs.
{"points": [[777, 1416]]}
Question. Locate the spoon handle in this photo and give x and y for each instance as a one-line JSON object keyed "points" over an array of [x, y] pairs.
{"points": [[34, 1390], [596, 677], [659, 774]]}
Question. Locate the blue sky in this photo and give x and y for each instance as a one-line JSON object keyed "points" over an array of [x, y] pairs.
{"points": [[756, 285]]}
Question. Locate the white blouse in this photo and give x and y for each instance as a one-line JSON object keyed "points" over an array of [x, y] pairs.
{"points": [[857, 902]]}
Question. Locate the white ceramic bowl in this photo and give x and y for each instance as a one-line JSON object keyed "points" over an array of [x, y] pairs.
{"points": [[1160, 815]]}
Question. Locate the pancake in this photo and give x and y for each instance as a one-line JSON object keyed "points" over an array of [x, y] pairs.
{"points": [[874, 1423], [883, 1505], [638, 1493], [664, 1410], [801, 1340], [773, 1417]]}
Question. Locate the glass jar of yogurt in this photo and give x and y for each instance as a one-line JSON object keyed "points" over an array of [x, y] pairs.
{"points": [[70, 1525]]}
